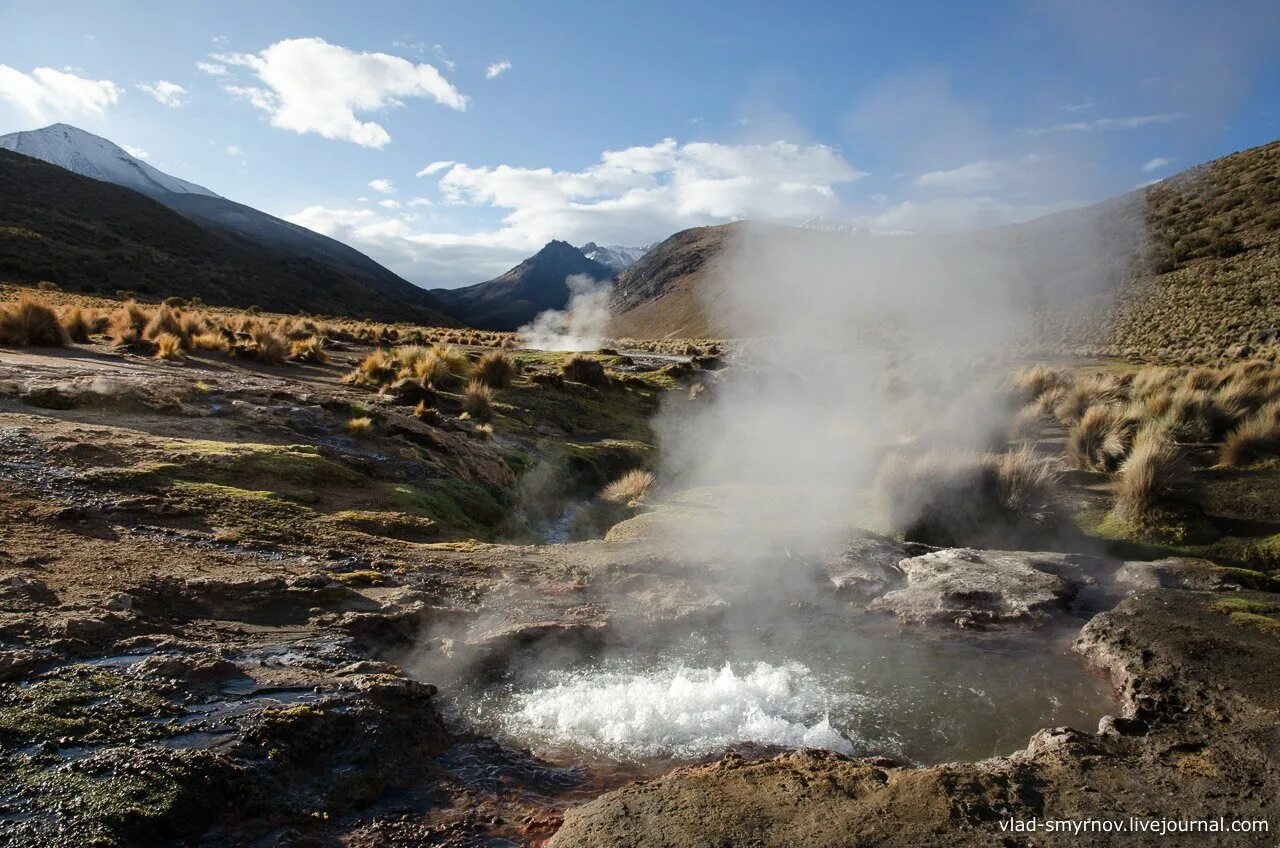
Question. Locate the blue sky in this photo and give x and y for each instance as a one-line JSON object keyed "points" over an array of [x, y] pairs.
{"points": [[624, 122]]}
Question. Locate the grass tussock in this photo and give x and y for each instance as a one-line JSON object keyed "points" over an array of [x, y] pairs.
{"points": [[169, 347], [1254, 441], [1153, 477], [1100, 439], [360, 426], [477, 401], [80, 324], [214, 342], [495, 369], [955, 498], [309, 349], [30, 323], [584, 369], [629, 489]]}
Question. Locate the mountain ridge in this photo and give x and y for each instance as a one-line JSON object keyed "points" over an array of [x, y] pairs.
{"points": [[515, 297]]}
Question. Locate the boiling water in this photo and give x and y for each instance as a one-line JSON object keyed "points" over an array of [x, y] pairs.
{"points": [[869, 688]]}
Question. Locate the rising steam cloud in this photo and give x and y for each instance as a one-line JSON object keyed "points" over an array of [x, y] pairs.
{"points": [[580, 326], [860, 346]]}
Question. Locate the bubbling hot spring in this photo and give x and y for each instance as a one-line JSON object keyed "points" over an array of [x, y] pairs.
{"points": [[827, 680]]}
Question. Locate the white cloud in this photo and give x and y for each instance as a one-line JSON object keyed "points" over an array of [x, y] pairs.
{"points": [[234, 150], [1156, 164], [218, 39], [499, 67], [631, 196], [163, 92], [984, 175], [435, 167], [1107, 124], [135, 152], [213, 69], [47, 93], [314, 86], [389, 204], [1083, 106], [382, 186], [421, 201]]}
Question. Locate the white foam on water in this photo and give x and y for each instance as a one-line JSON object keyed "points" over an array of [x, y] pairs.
{"points": [[679, 712]]}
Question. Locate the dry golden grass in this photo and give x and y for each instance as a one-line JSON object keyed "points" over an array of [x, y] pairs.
{"points": [[1257, 439], [477, 401], [30, 323], [267, 344], [308, 349], [360, 426], [211, 341], [495, 369], [1155, 473], [1031, 383], [80, 323], [962, 498], [1099, 440], [166, 321], [629, 489], [584, 369], [169, 347]]}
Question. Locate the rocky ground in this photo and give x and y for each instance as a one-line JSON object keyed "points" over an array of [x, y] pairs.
{"points": [[224, 619]]}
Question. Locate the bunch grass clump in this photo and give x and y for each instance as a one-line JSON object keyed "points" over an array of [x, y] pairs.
{"points": [[30, 323], [585, 370], [1153, 477], [495, 369], [477, 401], [629, 489]]}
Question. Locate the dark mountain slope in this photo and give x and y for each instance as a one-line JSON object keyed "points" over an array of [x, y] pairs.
{"points": [[511, 300], [88, 235]]}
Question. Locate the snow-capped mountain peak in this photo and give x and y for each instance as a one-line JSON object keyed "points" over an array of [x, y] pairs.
{"points": [[616, 256], [93, 156]]}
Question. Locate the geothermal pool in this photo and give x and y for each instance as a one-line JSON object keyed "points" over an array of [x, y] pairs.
{"points": [[870, 688]]}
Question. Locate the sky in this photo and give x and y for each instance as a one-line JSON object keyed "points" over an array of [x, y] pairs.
{"points": [[449, 140]]}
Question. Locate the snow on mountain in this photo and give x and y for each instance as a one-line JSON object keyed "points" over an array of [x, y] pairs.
{"points": [[92, 156], [616, 256]]}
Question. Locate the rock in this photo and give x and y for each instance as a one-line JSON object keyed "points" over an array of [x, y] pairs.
{"points": [[966, 586], [867, 566], [20, 592], [19, 663], [1173, 573], [370, 667], [409, 391], [195, 669]]}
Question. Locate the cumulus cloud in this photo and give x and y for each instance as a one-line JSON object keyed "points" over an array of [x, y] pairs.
{"points": [[389, 204], [311, 86], [234, 150], [47, 93], [435, 168], [499, 67], [1156, 164], [1131, 122], [984, 175], [382, 186], [213, 69], [163, 92], [631, 196], [421, 201]]}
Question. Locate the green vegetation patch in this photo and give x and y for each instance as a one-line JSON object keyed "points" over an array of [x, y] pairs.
{"points": [[1227, 606], [460, 507], [394, 525], [253, 513], [88, 705], [1257, 622], [577, 410], [235, 462]]}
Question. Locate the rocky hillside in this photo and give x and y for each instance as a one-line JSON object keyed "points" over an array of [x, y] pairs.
{"points": [[1205, 285], [537, 284], [661, 295], [100, 159], [91, 236]]}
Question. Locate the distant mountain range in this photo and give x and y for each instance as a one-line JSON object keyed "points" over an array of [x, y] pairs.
{"points": [[319, 273], [616, 256], [512, 299]]}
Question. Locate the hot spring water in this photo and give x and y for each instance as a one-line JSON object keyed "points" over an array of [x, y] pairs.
{"points": [[856, 686]]}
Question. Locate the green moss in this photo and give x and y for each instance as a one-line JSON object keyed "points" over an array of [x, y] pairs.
{"points": [[456, 504], [578, 411], [1250, 579], [1257, 622], [1226, 606], [250, 513], [395, 525], [86, 704], [1252, 554], [235, 462]]}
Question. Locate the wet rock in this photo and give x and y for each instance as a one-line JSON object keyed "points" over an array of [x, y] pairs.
{"points": [[1175, 573], [195, 670], [965, 586], [867, 566], [369, 667], [21, 662]]}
